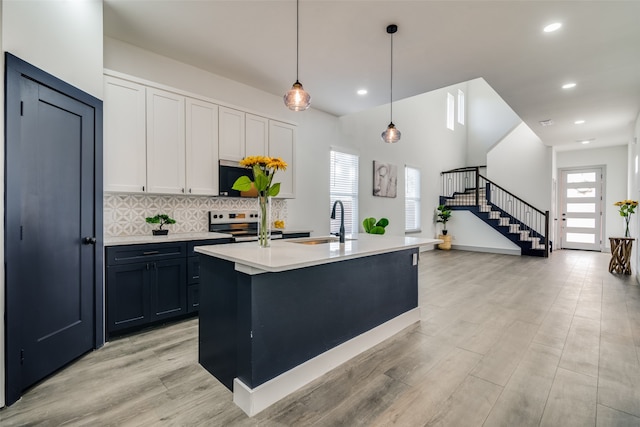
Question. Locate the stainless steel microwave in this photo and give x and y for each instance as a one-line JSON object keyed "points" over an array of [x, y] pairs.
{"points": [[228, 172]]}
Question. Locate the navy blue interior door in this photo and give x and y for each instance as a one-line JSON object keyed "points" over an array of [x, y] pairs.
{"points": [[50, 234]]}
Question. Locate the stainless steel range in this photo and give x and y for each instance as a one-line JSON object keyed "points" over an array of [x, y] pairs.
{"points": [[242, 225]]}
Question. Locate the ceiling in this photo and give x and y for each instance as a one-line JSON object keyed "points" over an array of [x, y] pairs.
{"points": [[344, 47]]}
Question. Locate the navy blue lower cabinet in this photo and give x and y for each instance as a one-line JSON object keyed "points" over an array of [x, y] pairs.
{"points": [[256, 327], [152, 283], [128, 299], [145, 284]]}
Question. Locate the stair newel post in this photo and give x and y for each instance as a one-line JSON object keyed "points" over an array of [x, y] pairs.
{"points": [[546, 234]]}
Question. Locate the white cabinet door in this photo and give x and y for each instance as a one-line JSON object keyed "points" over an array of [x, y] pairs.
{"points": [[231, 131], [256, 135], [125, 166], [282, 143], [202, 148], [165, 142]]}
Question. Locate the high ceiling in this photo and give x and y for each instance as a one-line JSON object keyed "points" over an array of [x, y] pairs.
{"points": [[344, 47]]}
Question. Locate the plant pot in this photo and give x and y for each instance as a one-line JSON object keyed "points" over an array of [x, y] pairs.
{"points": [[444, 232], [160, 232], [446, 245]]}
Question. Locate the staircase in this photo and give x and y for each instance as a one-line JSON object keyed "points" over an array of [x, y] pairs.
{"points": [[520, 222]]}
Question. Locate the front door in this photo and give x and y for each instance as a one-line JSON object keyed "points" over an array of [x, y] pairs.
{"points": [[50, 231], [581, 208]]}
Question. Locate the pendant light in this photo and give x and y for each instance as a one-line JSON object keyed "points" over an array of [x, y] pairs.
{"points": [[296, 98], [391, 135]]}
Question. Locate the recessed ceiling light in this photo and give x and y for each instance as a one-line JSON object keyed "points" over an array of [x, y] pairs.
{"points": [[362, 92], [547, 122], [552, 27], [568, 85], [578, 122], [585, 141]]}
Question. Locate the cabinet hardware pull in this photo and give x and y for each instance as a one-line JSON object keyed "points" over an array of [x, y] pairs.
{"points": [[143, 188], [150, 252], [183, 190], [89, 240]]}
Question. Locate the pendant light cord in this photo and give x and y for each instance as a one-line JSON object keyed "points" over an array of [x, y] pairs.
{"points": [[297, 38], [391, 85]]}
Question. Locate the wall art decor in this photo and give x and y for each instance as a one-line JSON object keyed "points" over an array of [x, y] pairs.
{"points": [[385, 179]]}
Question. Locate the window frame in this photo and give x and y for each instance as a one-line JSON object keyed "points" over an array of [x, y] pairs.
{"points": [[461, 107], [348, 196], [415, 198]]}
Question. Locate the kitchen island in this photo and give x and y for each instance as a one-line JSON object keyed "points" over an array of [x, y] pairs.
{"points": [[273, 319]]}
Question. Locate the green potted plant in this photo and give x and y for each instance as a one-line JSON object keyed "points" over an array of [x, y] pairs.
{"points": [[161, 219], [443, 215], [372, 227]]}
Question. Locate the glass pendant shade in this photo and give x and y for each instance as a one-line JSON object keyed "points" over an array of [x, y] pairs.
{"points": [[296, 99], [391, 135]]}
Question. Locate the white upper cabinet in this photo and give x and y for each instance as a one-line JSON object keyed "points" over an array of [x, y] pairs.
{"points": [[125, 165], [231, 134], [256, 135], [165, 142], [202, 148], [282, 143]]}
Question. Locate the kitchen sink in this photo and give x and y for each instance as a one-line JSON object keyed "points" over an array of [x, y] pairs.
{"points": [[316, 240]]}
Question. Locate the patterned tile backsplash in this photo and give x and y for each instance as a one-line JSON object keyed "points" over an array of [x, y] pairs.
{"points": [[124, 214]]}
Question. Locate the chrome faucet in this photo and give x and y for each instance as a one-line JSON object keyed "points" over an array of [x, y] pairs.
{"points": [[333, 216]]}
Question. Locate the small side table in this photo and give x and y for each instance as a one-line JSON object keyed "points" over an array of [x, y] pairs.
{"points": [[620, 255]]}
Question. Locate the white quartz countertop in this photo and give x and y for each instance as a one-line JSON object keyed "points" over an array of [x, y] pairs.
{"points": [[171, 237], [286, 254]]}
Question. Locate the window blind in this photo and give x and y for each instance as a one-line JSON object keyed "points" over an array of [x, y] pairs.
{"points": [[412, 199], [343, 186]]}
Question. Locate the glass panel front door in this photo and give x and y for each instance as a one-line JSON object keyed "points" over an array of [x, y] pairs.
{"points": [[581, 209]]}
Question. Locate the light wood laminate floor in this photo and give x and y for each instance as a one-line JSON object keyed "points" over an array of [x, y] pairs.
{"points": [[503, 341]]}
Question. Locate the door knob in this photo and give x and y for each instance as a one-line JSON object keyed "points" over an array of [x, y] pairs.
{"points": [[89, 240]]}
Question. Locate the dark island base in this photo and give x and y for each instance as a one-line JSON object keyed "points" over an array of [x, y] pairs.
{"points": [[255, 327]]}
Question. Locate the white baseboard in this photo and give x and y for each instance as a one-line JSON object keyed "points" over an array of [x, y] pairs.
{"points": [[504, 251], [252, 401]]}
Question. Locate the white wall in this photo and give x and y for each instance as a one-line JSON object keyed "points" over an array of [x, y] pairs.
{"points": [[634, 190], [521, 164], [468, 232], [489, 119], [553, 216], [64, 38], [615, 161], [426, 144]]}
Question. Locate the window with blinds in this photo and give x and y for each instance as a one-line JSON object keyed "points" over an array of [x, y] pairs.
{"points": [[343, 186], [411, 199]]}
